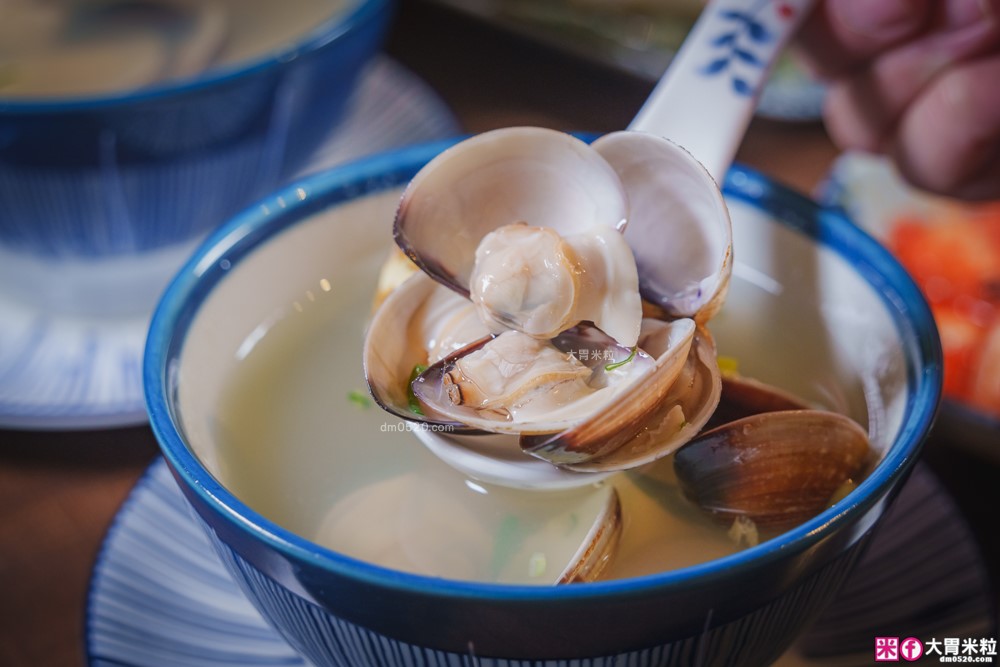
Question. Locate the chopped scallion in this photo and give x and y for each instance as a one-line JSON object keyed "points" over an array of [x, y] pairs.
{"points": [[537, 565], [619, 364], [359, 398], [412, 398]]}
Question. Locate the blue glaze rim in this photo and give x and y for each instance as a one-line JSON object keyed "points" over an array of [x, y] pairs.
{"points": [[284, 209], [334, 28]]}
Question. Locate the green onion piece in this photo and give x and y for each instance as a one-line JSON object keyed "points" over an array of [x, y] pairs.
{"points": [[572, 523], [413, 401], [359, 398], [619, 364], [536, 565], [506, 543]]}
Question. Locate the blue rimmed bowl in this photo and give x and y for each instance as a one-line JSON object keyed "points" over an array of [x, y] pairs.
{"points": [[105, 195], [815, 305]]}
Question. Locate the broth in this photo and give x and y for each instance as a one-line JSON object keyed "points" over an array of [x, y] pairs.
{"points": [[81, 47], [300, 443], [282, 420]]}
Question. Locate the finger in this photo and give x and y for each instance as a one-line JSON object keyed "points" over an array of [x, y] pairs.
{"points": [[948, 141], [841, 34], [958, 13], [863, 109], [984, 185]]}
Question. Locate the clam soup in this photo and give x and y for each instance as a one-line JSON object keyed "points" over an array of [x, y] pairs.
{"points": [[93, 47], [284, 421]]}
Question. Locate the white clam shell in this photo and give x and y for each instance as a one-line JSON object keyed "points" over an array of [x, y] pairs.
{"points": [[678, 225], [497, 459], [524, 174], [398, 337]]}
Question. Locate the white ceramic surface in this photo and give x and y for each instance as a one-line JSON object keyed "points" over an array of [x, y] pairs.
{"points": [[61, 371], [487, 459]]}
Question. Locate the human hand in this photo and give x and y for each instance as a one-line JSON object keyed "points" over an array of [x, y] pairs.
{"points": [[918, 80]]}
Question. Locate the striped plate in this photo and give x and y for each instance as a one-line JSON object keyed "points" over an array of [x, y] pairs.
{"points": [[159, 596]]}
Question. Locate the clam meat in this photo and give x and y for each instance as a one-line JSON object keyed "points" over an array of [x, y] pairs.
{"points": [[532, 280]]}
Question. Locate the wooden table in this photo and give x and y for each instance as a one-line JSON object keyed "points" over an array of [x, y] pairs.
{"points": [[60, 490]]}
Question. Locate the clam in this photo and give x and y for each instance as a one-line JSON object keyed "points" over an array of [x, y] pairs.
{"points": [[430, 521], [525, 222], [744, 396], [622, 248], [598, 548], [547, 240], [621, 439], [526, 321], [418, 322], [680, 235], [548, 386], [777, 463]]}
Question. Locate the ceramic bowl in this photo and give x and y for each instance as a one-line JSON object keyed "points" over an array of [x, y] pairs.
{"points": [[815, 305], [105, 195]]}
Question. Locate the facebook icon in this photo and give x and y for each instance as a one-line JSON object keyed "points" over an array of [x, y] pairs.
{"points": [[911, 649]]}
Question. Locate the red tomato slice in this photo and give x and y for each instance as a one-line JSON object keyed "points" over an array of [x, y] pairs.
{"points": [[949, 259], [960, 341], [984, 390]]}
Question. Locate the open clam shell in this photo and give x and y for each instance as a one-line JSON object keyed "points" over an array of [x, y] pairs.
{"points": [[524, 174], [598, 549], [628, 393], [432, 522], [406, 325], [640, 430], [678, 223]]}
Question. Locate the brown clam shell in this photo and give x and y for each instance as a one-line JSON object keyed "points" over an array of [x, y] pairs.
{"points": [[777, 469], [743, 396]]}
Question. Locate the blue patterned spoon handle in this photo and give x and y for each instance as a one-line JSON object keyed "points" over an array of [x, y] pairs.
{"points": [[705, 99]]}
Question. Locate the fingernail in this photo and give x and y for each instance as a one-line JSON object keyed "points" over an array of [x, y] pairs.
{"points": [[960, 13], [933, 55], [886, 20], [967, 42]]}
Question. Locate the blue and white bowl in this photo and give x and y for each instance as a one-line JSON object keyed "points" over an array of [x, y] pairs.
{"points": [[105, 195], [810, 292]]}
